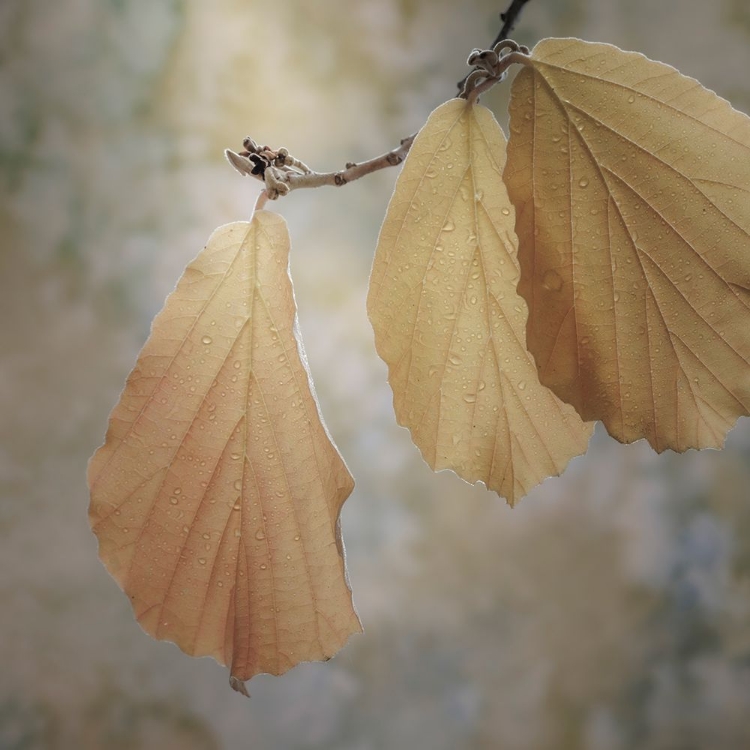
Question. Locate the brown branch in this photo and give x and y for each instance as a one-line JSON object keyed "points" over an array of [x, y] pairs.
{"points": [[281, 176], [509, 19], [282, 173]]}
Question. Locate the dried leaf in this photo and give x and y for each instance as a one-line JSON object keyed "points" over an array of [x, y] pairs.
{"points": [[631, 184], [447, 318], [216, 495]]}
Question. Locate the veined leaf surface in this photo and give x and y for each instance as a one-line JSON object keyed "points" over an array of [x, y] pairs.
{"points": [[217, 492], [632, 187], [447, 318]]}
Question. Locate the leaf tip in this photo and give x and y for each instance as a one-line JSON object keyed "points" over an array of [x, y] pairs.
{"points": [[238, 686]]}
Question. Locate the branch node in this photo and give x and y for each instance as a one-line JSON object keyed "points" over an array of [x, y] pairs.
{"points": [[509, 19], [491, 67], [282, 157]]}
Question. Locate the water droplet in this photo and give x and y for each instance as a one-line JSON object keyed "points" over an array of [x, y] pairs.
{"points": [[478, 195], [260, 534], [454, 359], [297, 538], [206, 340], [583, 182], [174, 500], [185, 529], [202, 560], [470, 398], [631, 98], [206, 535], [522, 385], [236, 456], [505, 211], [263, 566], [449, 226], [552, 281]]}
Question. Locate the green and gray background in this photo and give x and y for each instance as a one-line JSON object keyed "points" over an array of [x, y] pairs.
{"points": [[609, 611]]}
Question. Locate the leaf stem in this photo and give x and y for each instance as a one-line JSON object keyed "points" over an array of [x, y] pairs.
{"points": [[262, 199]]}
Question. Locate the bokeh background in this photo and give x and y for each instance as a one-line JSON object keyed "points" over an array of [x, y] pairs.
{"points": [[610, 610]]}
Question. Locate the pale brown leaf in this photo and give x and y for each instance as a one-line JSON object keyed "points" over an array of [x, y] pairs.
{"points": [[216, 495], [632, 186], [447, 318]]}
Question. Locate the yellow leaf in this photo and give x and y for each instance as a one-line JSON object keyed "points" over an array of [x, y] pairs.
{"points": [[632, 187], [447, 318], [217, 492]]}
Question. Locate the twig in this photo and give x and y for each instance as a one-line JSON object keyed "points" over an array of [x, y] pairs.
{"points": [[509, 19], [282, 173], [281, 178]]}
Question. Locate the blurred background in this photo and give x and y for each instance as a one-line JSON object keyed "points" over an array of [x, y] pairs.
{"points": [[610, 610]]}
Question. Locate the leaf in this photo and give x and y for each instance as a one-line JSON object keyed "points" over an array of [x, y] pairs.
{"points": [[217, 492], [632, 187], [448, 321]]}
